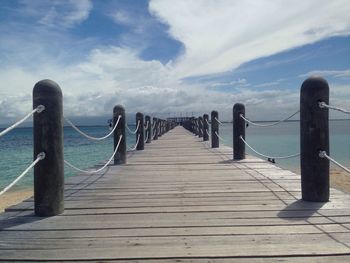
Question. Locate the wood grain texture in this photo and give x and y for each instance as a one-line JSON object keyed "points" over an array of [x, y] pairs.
{"points": [[181, 201]]}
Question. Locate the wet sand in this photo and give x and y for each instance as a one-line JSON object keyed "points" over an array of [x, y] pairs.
{"points": [[339, 179]]}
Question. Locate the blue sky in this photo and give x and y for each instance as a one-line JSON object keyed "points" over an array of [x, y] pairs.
{"points": [[164, 57]]}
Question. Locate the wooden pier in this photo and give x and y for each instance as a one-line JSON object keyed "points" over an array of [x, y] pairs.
{"points": [[181, 201]]}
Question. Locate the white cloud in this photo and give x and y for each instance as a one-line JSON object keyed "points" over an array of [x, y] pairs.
{"points": [[235, 83], [54, 13], [324, 73], [221, 35]]}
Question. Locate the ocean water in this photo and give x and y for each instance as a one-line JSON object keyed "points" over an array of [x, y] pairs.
{"points": [[16, 151], [16, 147]]}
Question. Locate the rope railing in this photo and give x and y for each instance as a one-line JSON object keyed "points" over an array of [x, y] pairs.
{"points": [[39, 157], [220, 138], [207, 133], [38, 109], [323, 154], [146, 137], [206, 120], [146, 126], [218, 121], [135, 131], [322, 104], [267, 156], [135, 146], [91, 137], [102, 168], [271, 124]]}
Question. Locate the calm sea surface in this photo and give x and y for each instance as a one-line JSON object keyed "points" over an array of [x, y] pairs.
{"points": [[16, 147]]}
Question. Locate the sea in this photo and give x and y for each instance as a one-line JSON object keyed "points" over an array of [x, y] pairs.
{"points": [[16, 147]]}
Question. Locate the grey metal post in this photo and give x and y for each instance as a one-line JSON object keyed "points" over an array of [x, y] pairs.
{"points": [[238, 131], [200, 127], [205, 127], [214, 129], [140, 133], [155, 130], [314, 137], [149, 129], [48, 138], [120, 156]]}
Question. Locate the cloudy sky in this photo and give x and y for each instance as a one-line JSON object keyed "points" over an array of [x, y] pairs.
{"points": [[166, 57]]}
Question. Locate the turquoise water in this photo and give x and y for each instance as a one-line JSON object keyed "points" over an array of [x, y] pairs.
{"points": [[284, 139], [16, 151], [16, 147]]}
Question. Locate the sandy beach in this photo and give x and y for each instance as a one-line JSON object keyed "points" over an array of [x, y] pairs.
{"points": [[14, 197], [339, 180]]}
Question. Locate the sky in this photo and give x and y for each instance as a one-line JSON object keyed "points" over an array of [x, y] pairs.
{"points": [[167, 58]]}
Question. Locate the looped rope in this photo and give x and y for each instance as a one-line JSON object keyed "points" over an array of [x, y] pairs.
{"points": [[146, 137], [96, 171], [154, 125], [267, 156], [133, 132], [323, 154], [218, 121], [39, 157], [207, 133], [220, 138], [38, 109], [91, 137], [207, 122], [322, 104], [268, 125], [135, 146], [147, 123]]}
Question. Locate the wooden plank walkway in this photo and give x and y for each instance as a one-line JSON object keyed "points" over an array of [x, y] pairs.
{"points": [[180, 201]]}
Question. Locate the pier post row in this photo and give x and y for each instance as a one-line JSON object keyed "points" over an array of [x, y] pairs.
{"points": [[140, 133], [200, 127], [48, 138], [149, 129], [159, 127], [205, 127], [238, 131], [120, 156], [314, 137], [214, 129], [196, 129], [155, 129]]}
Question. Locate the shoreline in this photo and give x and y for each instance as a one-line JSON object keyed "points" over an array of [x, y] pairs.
{"points": [[339, 179]]}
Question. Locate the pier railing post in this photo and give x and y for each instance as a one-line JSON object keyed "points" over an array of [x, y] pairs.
{"points": [[214, 129], [238, 131], [200, 127], [140, 133], [120, 156], [149, 129], [196, 130], [159, 129], [314, 137], [205, 127], [48, 138], [155, 129]]}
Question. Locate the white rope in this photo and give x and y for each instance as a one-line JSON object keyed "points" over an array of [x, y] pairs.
{"points": [[154, 125], [38, 109], [267, 156], [323, 154], [207, 133], [137, 127], [207, 122], [90, 137], [39, 157], [96, 171], [135, 146], [146, 137], [146, 125], [218, 121], [216, 133], [271, 124], [324, 105]]}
